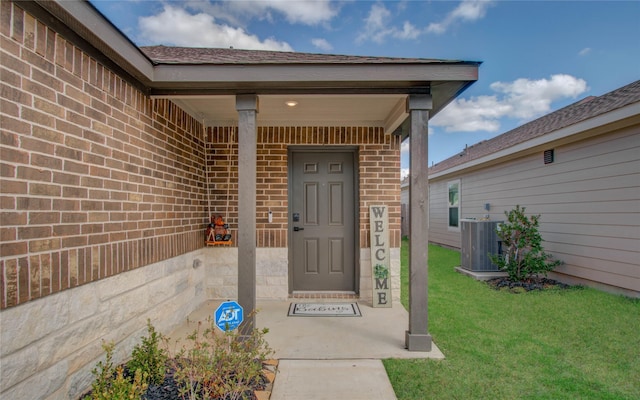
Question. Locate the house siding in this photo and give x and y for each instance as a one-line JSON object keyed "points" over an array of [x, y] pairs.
{"points": [[439, 231], [588, 200]]}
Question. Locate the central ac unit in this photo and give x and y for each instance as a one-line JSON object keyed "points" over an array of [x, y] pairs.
{"points": [[479, 239]]}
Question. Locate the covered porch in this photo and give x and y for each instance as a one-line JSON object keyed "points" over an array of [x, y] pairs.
{"points": [[326, 357], [394, 96], [377, 334]]}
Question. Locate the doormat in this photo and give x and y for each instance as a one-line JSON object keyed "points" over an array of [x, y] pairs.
{"points": [[324, 310]]}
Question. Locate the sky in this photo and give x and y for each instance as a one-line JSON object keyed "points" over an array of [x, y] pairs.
{"points": [[537, 56]]}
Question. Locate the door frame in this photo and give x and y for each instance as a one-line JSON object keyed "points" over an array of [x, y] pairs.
{"points": [[356, 206]]}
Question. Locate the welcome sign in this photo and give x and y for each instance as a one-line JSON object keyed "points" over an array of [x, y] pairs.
{"points": [[380, 257]]}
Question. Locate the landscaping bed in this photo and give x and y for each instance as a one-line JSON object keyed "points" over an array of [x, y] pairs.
{"points": [[527, 285], [169, 389], [211, 365]]}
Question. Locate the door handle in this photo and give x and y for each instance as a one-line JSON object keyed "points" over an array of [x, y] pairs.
{"points": [[297, 228]]}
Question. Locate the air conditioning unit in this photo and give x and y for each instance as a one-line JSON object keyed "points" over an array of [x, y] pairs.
{"points": [[479, 239]]}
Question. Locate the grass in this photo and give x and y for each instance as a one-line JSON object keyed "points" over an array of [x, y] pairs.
{"points": [[578, 343]]}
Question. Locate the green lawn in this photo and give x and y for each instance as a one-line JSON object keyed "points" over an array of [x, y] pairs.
{"points": [[563, 344]]}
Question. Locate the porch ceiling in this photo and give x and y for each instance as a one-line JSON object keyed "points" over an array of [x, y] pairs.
{"points": [[387, 110]]}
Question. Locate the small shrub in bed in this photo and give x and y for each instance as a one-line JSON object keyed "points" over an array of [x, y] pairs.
{"points": [[522, 253], [221, 365]]}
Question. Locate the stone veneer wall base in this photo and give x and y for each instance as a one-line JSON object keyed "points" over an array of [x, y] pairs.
{"points": [[49, 346], [272, 277]]}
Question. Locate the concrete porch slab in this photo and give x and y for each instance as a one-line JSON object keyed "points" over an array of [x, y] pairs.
{"points": [[379, 333]]}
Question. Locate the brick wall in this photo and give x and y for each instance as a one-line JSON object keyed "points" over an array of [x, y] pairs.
{"points": [[96, 177], [379, 175]]}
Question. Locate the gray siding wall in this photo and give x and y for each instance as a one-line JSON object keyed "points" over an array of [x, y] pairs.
{"points": [[589, 199], [439, 231]]}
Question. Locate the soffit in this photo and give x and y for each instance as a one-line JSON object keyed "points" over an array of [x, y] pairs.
{"points": [[311, 110], [338, 95]]}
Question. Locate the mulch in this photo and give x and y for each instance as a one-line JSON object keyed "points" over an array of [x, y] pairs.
{"points": [[170, 390], [539, 283]]}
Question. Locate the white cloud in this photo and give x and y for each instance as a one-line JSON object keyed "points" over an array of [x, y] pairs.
{"points": [[404, 172], [408, 31], [175, 26], [584, 51], [322, 44], [523, 99], [468, 10], [404, 155], [307, 12], [378, 26], [375, 27], [404, 149]]}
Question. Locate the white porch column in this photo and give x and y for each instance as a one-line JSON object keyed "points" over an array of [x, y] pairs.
{"points": [[417, 337], [247, 107]]}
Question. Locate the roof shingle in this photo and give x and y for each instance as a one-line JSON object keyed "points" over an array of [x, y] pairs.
{"points": [[196, 55]]}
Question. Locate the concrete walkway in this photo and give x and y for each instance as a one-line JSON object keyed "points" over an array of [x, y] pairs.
{"points": [[328, 357], [332, 380]]}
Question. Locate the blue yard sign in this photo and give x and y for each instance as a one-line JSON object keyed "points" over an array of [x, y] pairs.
{"points": [[228, 316]]}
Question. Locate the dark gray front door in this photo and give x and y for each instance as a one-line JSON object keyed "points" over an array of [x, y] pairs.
{"points": [[322, 221]]}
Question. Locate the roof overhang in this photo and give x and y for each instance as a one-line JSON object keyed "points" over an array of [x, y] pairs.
{"points": [[367, 94]]}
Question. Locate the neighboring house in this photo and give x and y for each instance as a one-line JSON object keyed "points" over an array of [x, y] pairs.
{"points": [[579, 167], [115, 158]]}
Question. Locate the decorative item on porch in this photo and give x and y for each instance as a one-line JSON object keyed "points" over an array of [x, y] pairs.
{"points": [[218, 232], [380, 257]]}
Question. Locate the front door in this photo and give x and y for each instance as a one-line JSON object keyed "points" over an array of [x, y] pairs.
{"points": [[322, 221]]}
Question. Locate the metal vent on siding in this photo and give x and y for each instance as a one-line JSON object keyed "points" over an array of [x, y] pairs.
{"points": [[548, 156]]}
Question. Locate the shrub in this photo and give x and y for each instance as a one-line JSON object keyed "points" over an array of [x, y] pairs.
{"points": [[111, 384], [149, 357], [220, 365], [522, 252]]}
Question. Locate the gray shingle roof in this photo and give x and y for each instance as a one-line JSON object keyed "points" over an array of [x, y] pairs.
{"points": [[194, 55], [582, 110]]}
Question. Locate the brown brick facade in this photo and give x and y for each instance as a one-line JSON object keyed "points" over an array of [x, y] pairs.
{"points": [[379, 175], [96, 177]]}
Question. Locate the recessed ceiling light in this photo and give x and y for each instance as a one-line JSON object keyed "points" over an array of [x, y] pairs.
{"points": [[291, 103]]}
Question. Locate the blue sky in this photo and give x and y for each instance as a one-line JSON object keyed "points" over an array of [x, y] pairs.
{"points": [[538, 56]]}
